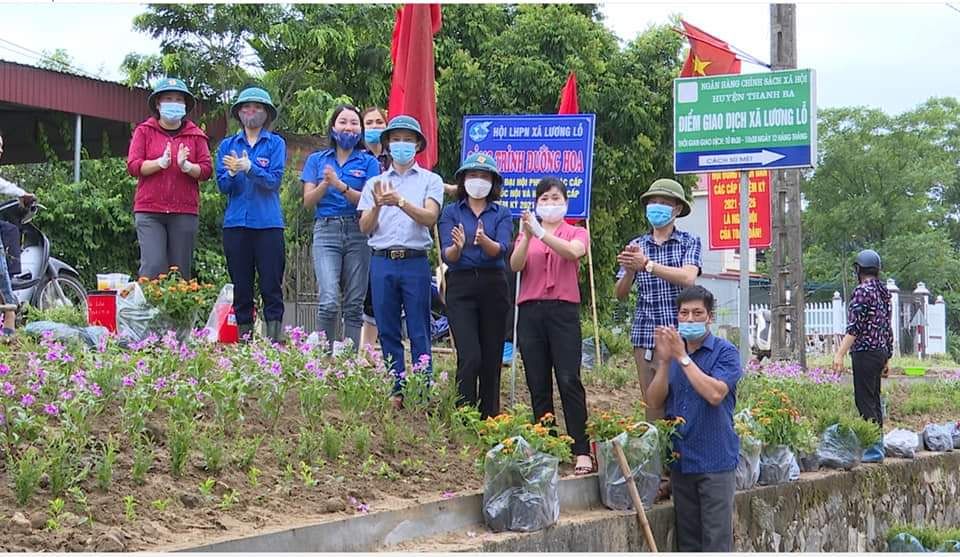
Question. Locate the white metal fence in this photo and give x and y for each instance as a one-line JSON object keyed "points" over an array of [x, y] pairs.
{"points": [[825, 322]]}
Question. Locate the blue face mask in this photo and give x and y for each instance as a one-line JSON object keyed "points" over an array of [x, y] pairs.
{"points": [[692, 331], [371, 136], [659, 215], [345, 140], [403, 152], [172, 112]]}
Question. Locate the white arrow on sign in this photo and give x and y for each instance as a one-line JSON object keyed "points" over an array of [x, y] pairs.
{"points": [[761, 158]]}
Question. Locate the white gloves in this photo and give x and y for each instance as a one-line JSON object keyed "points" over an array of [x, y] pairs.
{"points": [[164, 160], [183, 161], [536, 228], [244, 162]]}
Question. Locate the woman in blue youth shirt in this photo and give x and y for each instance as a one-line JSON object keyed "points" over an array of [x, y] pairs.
{"points": [[474, 234], [250, 166], [332, 181]]}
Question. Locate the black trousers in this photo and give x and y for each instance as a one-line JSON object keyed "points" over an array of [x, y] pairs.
{"points": [[867, 370], [256, 252], [549, 332], [476, 306], [703, 504]]}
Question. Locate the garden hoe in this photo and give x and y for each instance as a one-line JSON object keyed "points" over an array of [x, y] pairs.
{"points": [[635, 496]]}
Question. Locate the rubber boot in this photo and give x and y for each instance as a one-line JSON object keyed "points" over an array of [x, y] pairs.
{"points": [[245, 332], [874, 453], [274, 331]]}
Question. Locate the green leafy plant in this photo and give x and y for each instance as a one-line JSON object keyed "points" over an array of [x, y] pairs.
{"points": [[228, 500], [306, 475], [26, 471], [309, 445], [391, 436], [130, 508], [332, 441], [518, 421], [160, 504], [253, 476], [179, 440], [143, 459], [245, 451], [53, 511], [213, 452], [206, 487], [68, 315], [80, 499], [103, 471], [178, 300]]}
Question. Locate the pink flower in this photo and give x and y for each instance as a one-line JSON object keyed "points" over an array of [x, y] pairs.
{"points": [[51, 409], [9, 389], [160, 383], [276, 368], [27, 399], [128, 381], [447, 495], [66, 395], [443, 377], [95, 389], [4, 369], [192, 382]]}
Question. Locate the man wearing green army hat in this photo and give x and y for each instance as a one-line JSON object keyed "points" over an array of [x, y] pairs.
{"points": [[660, 263]]}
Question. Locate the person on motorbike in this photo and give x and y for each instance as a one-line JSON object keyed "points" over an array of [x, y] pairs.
{"points": [[8, 302]]}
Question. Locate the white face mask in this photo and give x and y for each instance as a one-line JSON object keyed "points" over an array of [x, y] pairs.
{"points": [[477, 188], [551, 213]]}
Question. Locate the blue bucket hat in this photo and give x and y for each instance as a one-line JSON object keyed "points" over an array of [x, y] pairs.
{"points": [[479, 161], [170, 85], [254, 95], [404, 122]]}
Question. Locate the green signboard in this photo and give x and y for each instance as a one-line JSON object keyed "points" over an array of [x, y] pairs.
{"points": [[745, 122]]}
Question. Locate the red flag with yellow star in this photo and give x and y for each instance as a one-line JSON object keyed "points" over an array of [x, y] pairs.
{"points": [[708, 55]]}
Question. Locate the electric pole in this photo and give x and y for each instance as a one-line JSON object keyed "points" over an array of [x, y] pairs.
{"points": [[787, 297]]}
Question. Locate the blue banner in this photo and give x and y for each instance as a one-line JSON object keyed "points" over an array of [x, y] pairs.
{"points": [[529, 147]]}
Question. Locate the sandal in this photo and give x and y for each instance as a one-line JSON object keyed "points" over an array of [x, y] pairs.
{"points": [[583, 470]]}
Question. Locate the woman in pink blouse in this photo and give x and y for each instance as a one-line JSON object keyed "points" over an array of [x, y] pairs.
{"points": [[548, 325]]}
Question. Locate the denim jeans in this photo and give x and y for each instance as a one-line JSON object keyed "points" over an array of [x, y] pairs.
{"points": [[341, 261], [402, 286], [6, 289]]}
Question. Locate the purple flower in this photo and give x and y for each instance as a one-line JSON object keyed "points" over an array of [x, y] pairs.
{"points": [[9, 389], [363, 508], [95, 389], [51, 409], [443, 377], [276, 368], [159, 384], [192, 382], [3, 419], [66, 395], [128, 381], [447, 495], [225, 364], [27, 399], [4, 369]]}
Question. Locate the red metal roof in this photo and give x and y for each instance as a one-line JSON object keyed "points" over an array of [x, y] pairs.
{"points": [[64, 92]]}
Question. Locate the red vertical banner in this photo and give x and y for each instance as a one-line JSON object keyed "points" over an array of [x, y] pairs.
{"points": [[723, 190]]}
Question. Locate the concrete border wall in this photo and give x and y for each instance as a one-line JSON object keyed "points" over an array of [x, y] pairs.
{"points": [[824, 511]]}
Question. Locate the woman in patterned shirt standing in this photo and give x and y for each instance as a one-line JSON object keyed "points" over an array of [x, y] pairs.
{"points": [[869, 340]]}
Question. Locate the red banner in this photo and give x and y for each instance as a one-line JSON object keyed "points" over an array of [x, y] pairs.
{"points": [[724, 212]]}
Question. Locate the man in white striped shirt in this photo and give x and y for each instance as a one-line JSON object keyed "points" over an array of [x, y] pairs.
{"points": [[8, 302]]}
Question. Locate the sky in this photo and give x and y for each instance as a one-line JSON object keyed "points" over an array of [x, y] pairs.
{"points": [[884, 55]]}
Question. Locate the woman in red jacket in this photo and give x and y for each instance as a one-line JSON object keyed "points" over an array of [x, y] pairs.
{"points": [[169, 157]]}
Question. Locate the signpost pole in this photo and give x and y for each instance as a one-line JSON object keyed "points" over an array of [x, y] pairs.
{"points": [[593, 298], [744, 267]]}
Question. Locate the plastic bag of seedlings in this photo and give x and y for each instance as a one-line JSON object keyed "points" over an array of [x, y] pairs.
{"points": [[521, 488], [794, 468], [62, 332], [643, 457], [748, 465], [839, 448], [937, 438], [588, 353], [901, 443], [954, 429], [905, 543], [775, 464], [135, 316]]}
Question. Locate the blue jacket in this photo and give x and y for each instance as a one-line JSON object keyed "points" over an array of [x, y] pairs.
{"points": [[356, 170], [254, 196]]}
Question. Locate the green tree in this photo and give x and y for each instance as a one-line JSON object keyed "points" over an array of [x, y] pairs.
{"points": [[882, 183]]}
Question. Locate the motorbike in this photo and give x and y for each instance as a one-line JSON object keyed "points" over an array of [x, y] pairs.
{"points": [[760, 332], [43, 281]]}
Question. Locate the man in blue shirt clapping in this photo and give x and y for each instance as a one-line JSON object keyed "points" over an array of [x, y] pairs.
{"points": [[697, 380]]}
